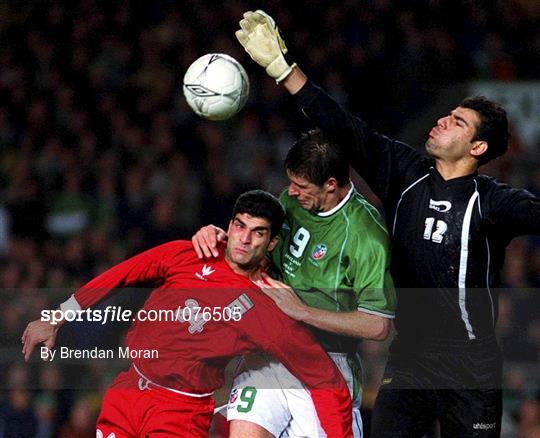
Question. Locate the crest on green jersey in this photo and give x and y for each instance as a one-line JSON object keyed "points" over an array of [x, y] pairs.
{"points": [[319, 251]]}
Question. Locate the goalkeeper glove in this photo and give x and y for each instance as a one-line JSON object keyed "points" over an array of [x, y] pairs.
{"points": [[259, 35]]}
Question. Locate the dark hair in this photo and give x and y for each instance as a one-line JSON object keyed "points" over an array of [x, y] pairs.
{"points": [[316, 159], [259, 203], [493, 128]]}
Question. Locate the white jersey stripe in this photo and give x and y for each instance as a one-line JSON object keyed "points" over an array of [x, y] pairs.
{"points": [[487, 283], [401, 197], [189, 394], [464, 255], [488, 262]]}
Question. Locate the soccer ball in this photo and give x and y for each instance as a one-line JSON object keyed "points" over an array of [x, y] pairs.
{"points": [[216, 86]]}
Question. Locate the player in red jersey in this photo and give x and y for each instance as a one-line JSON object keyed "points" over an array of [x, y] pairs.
{"points": [[171, 395]]}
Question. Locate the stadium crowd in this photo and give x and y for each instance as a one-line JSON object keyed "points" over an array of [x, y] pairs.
{"points": [[100, 157]]}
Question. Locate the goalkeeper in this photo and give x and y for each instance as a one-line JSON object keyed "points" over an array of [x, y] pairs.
{"points": [[450, 227]]}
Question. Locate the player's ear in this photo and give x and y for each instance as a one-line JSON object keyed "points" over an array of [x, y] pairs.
{"points": [[273, 243], [331, 184], [478, 148], [230, 226]]}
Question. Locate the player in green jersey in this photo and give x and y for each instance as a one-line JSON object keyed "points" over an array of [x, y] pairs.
{"points": [[333, 255], [333, 250]]}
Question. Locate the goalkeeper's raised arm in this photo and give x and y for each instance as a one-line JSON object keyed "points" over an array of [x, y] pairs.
{"points": [[373, 155]]}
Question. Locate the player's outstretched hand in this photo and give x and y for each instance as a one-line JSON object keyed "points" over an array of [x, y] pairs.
{"points": [[38, 331], [259, 35], [206, 240], [284, 297]]}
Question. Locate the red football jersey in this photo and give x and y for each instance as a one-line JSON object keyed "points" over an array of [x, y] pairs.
{"points": [[193, 353]]}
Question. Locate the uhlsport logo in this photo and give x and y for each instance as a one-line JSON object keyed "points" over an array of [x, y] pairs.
{"points": [[484, 426], [319, 251], [442, 206]]}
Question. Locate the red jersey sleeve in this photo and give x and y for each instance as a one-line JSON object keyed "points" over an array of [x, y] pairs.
{"points": [[298, 349], [149, 266]]}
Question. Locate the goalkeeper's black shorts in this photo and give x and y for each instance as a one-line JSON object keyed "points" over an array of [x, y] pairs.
{"points": [[460, 387]]}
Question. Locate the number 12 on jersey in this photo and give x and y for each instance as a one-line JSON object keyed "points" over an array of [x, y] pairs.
{"points": [[437, 235]]}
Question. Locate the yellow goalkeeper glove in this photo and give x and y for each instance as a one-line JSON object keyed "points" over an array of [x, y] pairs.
{"points": [[259, 35]]}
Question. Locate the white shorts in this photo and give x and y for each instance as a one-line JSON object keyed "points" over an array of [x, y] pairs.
{"points": [[266, 393]]}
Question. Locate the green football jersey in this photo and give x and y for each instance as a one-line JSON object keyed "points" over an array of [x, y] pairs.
{"points": [[337, 260]]}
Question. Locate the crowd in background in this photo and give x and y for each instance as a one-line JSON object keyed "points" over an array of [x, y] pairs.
{"points": [[100, 157]]}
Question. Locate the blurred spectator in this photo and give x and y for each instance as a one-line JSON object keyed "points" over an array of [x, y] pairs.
{"points": [[45, 411], [82, 420], [17, 418], [70, 209], [529, 419]]}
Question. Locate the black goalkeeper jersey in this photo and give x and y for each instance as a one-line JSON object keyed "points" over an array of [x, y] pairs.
{"points": [[448, 237]]}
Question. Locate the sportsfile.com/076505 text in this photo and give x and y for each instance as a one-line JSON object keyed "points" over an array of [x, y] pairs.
{"points": [[118, 314]]}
